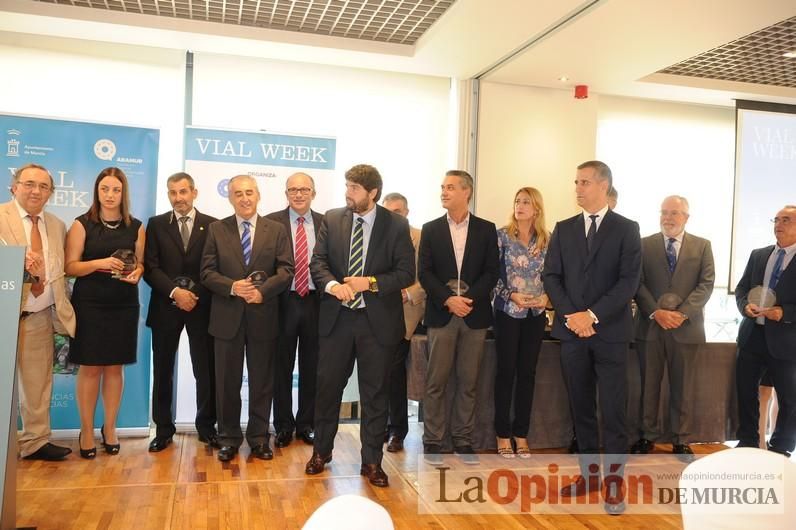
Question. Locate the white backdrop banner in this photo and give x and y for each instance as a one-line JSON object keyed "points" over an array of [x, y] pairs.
{"points": [[212, 157]]}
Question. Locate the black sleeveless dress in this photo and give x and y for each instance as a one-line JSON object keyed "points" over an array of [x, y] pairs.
{"points": [[106, 308]]}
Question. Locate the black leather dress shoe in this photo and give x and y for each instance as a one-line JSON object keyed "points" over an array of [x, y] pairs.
{"points": [[227, 453], [159, 443], [642, 447], [308, 437], [263, 452], [683, 452], [49, 452], [283, 438], [573, 445], [375, 475], [210, 439], [581, 487], [316, 463], [432, 455], [614, 505], [395, 444]]}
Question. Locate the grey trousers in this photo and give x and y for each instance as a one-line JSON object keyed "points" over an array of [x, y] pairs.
{"points": [[452, 347], [679, 359]]}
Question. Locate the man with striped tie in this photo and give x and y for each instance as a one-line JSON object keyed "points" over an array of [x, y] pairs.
{"points": [[246, 263], [298, 317], [363, 258]]}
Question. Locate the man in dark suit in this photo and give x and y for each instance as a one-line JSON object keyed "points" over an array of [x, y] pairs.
{"points": [[298, 317], [414, 299], [362, 259], [458, 267], [246, 264], [591, 273], [767, 336], [671, 328], [174, 243]]}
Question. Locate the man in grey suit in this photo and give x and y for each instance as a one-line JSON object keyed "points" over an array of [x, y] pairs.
{"points": [[244, 314], [676, 282]]}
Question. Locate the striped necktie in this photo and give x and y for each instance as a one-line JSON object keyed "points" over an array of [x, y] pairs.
{"points": [[356, 260], [302, 260], [246, 242]]}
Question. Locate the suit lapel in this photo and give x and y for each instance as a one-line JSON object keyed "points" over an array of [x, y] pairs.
{"points": [[599, 237], [199, 226], [261, 234], [284, 218], [376, 234], [446, 240], [580, 238], [658, 255], [173, 229], [15, 224], [231, 226]]}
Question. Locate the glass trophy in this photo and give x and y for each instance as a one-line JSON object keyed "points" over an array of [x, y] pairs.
{"points": [[669, 301], [762, 297], [184, 282], [257, 278], [129, 259], [459, 287]]}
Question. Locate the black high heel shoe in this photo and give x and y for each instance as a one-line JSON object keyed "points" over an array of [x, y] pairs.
{"points": [[86, 453], [111, 449]]}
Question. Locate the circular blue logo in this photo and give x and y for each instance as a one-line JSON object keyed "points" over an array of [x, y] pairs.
{"points": [[223, 188]]}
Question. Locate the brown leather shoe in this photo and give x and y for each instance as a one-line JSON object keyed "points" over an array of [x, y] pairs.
{"points": [[375, 474], [395, 444], [316, 463], [581, 487]]}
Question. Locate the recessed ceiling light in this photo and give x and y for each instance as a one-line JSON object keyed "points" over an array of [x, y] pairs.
{"points": [[563, 78], [790, 55]]}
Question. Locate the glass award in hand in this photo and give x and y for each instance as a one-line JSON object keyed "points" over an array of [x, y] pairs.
{"points": [[257, 278], [669, 301], [184, 282], [129, 259], [762, 297], [459, 287]]}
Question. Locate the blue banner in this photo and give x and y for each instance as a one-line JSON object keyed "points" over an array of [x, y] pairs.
{"points": [[75, 153], [252, 148]]}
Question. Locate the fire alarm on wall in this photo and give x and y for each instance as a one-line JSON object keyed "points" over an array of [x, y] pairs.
{"points": [[581, 91]]}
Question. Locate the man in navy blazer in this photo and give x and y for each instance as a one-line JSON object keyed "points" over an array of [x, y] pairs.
{"points": [[458, 266], [174, 243], [591, 273], [767, 336], [363, 258]]}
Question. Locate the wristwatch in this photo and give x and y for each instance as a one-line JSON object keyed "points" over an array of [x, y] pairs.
{"points": [[374, 285]]}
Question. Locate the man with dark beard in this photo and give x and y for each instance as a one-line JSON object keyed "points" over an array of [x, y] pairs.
{"points": [[363, 258]]}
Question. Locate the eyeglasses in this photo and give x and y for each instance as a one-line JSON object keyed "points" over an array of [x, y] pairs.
{"points": [[782, 220], [29, 185], [296, 191]]}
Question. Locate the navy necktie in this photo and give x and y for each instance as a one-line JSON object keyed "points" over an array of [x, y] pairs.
{"points": [[356, 260], [777, 270], [671, 254], [246, 242], [592, 232]]}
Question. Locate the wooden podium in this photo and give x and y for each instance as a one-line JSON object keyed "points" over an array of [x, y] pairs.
{"points": [[12, 264]]}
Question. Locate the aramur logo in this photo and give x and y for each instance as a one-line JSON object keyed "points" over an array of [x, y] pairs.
{"points": [[223, 188], [12, 142], [105, 149]]}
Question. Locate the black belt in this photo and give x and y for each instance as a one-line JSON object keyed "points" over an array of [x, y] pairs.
{"points": [[311, 292], [25, 314], [353, 310]]}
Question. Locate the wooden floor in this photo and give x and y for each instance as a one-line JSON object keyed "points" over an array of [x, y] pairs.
{"points": [[186, 487]]}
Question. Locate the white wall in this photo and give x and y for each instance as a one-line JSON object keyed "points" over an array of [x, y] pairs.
{"points": [[97, 82], [399, 123], [531, 137]]}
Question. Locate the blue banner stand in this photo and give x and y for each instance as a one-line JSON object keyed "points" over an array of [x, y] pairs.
{"points": [[12, 264]]}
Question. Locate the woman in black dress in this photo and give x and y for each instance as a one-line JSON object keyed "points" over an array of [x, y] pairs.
{"points": [[105, 298]]}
